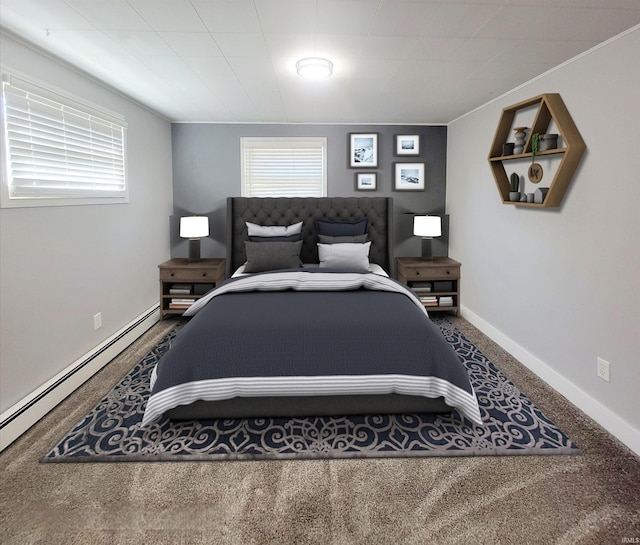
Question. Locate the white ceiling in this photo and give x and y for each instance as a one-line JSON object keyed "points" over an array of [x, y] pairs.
{"points": [[395, 61]]}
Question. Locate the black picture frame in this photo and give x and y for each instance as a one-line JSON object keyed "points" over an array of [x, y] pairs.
{"points": [[409, 177], [366, 181], [363, 150], [407, 145]]}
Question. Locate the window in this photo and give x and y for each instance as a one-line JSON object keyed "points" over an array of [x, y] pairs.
{"points": [[59, 151], [284, 167]]}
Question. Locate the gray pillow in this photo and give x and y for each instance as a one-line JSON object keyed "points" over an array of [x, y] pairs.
{"points": [[273, 230], [326, 239], [348, 256], [271, 256]]}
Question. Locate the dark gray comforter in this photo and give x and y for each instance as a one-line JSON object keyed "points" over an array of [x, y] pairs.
{"points": [[307, 332]]}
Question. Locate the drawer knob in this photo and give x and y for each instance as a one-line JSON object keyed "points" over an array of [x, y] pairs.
{"points": [[204, 274], [172, 274]]}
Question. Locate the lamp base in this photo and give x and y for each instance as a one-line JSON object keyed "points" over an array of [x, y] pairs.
{"points": [[427, 251], [194, 250]]}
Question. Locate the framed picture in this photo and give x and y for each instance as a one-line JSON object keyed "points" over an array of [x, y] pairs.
{"points": [[363, 150], [407, 144], [409, 177], [366, 181]]}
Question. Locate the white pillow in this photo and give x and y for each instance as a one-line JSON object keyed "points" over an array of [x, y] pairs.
{"points": [[346, 256], [256, 230]]}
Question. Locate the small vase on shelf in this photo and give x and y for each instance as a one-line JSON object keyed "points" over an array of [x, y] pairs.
{"points": [[548, 141], [520, 135], [507, 149]]}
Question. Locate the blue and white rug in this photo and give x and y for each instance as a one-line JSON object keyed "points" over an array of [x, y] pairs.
{"points": [[513, 425]]}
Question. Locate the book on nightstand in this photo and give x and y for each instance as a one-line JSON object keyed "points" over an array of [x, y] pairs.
{"points": [[180, 289], [180, 303], [425, 286]]}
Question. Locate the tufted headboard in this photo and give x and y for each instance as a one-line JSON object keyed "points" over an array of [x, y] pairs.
{"points": [[290, 210]]}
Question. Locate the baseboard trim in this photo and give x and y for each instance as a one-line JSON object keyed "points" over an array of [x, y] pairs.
{"points": [[20, 417], [609, 420]]}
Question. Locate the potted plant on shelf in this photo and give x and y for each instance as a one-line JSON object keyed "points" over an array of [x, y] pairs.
{"points": [[514, 185]]}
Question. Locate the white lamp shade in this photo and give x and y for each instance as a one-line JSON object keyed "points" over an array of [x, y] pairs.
{"points": [[194, 226], [427, 226]]}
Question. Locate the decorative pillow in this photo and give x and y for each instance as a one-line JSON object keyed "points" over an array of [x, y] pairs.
{"points": [[270, 256], [326, 239], [273, 230], [346, 256], [284, 238], [342, 228]]}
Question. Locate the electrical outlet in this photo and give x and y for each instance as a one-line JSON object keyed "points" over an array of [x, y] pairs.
{"points": [[604, 369], [97, 321]]}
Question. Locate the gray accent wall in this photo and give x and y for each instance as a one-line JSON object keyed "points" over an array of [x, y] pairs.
{"points": [[206, 170]]}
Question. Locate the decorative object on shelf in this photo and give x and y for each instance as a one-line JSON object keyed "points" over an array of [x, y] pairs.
{"points": [[550, 112], [409, 177], [363, 150], [535, 173], [549, 141], [530, 197], [366, 181], [507, 149], [194, 228], [520, 134], [427, 227], [407, 144], [514, 185], [540, 194]]}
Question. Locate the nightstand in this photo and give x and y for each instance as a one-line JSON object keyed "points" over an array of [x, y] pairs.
{"points": [[436, 282], [181, 283]]}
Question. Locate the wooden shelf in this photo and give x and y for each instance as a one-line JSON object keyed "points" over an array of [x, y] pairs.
{"points": [[556, 151], [550, 107]]}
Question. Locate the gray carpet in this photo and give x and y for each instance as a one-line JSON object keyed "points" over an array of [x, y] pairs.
{"points": [[588, 499]]}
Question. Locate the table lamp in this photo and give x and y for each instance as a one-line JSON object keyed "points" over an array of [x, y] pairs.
{"points": [[427, 227], [194, 228]]}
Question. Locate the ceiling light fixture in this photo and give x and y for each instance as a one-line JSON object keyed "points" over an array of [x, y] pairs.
{"points": [[314, 68]]}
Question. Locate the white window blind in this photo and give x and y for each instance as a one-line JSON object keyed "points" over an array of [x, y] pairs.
{"points": [[59, 149], [284, 167]]}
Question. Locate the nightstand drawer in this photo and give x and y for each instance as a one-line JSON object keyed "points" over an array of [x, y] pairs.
{"points": [[433, 273], [186, 275]]}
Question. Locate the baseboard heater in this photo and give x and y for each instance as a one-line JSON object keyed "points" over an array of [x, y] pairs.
{"points": [[21, 416]]}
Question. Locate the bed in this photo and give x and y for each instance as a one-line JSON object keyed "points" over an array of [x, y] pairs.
{"points": [[307, 325]]}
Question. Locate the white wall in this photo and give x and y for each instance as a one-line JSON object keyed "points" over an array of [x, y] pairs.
{"points": [[61, 265], [560, 287]]}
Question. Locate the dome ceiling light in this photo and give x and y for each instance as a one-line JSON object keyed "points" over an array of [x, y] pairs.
{"points": [[314, 68]]}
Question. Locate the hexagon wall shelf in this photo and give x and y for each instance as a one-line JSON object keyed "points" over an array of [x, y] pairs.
{"points": [[550, 107]]}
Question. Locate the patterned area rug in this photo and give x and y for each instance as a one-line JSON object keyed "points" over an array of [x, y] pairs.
{"points": [[513, 425]]}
